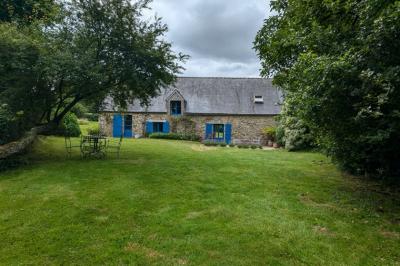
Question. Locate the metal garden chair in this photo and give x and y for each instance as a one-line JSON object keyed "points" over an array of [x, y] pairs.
{"points": [[86, 146], [70, 145], [114, 146]]}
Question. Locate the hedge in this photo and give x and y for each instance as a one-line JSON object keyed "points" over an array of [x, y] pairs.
{"points": [[175, 136]]}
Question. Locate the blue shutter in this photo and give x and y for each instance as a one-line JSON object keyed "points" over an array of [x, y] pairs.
{"points": [[117, 126], [149, 127], [208, 131], [166, 127], [228, 133]]}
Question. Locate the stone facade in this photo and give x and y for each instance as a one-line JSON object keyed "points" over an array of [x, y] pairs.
{"points": [[245, 128]]}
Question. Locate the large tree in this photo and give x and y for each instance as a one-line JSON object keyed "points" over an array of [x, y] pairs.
{"points": [[94, 49], [339, 65]]}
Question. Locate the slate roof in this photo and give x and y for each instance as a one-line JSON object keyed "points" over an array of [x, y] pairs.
{"points": [[233, 96]]}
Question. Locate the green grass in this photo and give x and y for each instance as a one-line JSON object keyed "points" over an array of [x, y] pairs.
{"points": [[181, 203]]}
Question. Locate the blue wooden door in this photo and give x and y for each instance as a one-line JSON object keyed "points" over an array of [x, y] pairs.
{"points": [[117, 126]]}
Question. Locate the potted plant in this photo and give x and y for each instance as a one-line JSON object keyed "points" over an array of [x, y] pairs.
{"points": [[269, 134]]}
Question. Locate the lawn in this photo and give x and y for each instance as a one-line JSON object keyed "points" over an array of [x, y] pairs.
{"points": [[180, 203]]}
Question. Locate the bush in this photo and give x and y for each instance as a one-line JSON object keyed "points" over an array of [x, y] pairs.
{"points": [[222, 144], [95, 130], [293, 134], [231, 145], [79, 110], [297, 135], [280, 136], [243, 146], [255, 146], [210, 143], [175, 136], [70, 126], [270, 133]]}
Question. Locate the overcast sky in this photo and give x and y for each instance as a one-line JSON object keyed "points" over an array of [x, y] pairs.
{"points": [[218, 35]]}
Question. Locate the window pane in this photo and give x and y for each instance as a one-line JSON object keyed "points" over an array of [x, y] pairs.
{"points": [[128, 122], [218, 131], [158, 127], [176, 108]]}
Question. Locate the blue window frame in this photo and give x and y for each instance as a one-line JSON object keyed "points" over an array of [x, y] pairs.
{"points": [[219, 132], [128, 126], [158, 127], [176, 107]]}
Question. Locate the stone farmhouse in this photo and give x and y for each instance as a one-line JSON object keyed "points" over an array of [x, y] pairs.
{"points": [[231, 110]]}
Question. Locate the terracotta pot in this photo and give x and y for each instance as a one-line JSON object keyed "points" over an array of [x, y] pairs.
{"points": [[276, 145], [270, 143]]}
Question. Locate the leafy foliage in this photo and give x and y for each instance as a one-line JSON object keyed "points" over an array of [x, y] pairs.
{"points": [[175, 136], [338, 63], [210, 143], [94, 130], [243, 146], [293, 133], [296, 135], [85, 51], [280, 135], [27, 11], [20, 82], [80, 110], [270, 133], [70, 126], [92, 117], [10, 125]]}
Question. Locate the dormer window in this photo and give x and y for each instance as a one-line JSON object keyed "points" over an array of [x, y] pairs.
{"points": [[258, 99], [175, 104], [176, 107]]}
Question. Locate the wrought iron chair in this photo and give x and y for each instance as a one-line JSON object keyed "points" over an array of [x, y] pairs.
{"points": [[86, 146], [114, 146], [70, 145]]}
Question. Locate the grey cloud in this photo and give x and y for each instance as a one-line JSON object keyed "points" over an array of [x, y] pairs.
{"points": [[217, 34]]}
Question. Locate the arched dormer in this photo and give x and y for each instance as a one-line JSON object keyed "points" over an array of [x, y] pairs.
{"points": [[175, 103]]}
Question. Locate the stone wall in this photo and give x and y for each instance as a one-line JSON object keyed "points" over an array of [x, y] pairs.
{"points": [[245, 128], [138, 122]]}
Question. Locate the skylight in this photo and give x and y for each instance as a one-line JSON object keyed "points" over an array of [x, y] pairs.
{"points": [[258, 99]]}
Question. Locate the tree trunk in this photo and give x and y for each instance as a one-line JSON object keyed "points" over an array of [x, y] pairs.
{"points": [[57, 119]]}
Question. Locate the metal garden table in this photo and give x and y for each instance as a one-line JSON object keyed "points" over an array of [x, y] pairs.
{"points": [[94, 146]]}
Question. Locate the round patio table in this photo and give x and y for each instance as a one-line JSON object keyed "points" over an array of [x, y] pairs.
{"points": [[93, 145]]}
